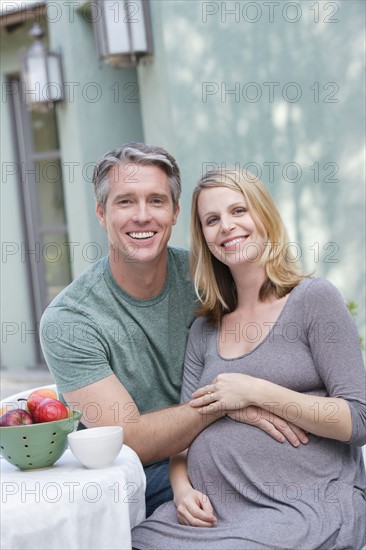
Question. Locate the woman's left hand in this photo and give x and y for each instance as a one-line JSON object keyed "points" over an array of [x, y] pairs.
{"points": [[229, 391]]}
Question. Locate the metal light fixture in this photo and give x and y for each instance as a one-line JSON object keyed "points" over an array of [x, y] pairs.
{"points": [[41, 74], [122, 31]]}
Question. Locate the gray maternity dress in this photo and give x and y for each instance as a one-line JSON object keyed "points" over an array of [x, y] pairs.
{"points": [[266, 494]]}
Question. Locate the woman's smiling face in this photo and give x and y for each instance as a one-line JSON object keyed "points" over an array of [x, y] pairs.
{"points": [[228, 227]]}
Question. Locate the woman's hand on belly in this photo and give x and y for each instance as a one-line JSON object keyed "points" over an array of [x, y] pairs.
{"points": [[194, 508], [233, 393]]}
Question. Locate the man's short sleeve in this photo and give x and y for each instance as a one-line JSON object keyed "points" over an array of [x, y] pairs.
{"points": [[74, 348]]}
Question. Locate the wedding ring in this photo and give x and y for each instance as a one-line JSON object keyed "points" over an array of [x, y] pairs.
{"points": [[210, 393]]}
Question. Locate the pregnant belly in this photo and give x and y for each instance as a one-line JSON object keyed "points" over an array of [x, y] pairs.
{"points": [[236, 457]]}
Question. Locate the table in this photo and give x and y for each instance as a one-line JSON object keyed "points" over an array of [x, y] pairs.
{"points": [[68, 506]]}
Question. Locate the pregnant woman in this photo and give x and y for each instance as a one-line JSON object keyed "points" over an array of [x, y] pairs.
{"points": [[271, 338]]}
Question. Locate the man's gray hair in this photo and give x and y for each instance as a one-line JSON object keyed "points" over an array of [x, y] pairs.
{"points": [[139, 154]]}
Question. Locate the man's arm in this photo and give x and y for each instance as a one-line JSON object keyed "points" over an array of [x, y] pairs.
{"points": [[153, 435]]}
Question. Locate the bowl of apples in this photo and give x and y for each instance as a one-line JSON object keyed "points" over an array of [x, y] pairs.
{"points": [[34, 429]]}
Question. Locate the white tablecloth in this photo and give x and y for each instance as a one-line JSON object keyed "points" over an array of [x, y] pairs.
{"points": [[68, 506]]}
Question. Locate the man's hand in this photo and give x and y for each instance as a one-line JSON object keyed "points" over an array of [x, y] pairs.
{"points": [[195, 509], [273, 425]]}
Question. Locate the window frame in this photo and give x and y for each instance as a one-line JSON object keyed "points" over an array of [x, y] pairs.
{"points": [[33, 230]]}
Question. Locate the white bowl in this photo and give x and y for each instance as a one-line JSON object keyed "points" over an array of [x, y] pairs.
{"points": [[96, 447]]}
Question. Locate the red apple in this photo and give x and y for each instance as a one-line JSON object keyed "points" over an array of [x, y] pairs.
{"points": [[37, 396], [16, 417], [50, 410]]}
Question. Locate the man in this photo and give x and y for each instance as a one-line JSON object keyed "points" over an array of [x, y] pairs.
{"points": [[114, 339]]}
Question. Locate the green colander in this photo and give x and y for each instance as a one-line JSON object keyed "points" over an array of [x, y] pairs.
{"points": [[37, 445]]}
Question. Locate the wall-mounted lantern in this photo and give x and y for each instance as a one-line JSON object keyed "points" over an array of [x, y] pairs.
{"points": [[41, 74], [122, 31]]}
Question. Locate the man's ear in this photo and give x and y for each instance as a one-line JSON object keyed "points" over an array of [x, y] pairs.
{"points": [[100, 212], [175, 215]]}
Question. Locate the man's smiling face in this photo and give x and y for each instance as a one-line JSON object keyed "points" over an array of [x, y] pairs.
{"points": [[139, 213]]}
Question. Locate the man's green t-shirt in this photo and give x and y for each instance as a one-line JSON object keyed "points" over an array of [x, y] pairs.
{"points": [[93, 329]]}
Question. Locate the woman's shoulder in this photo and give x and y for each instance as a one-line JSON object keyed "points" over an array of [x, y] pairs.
{"points": [[316, 287], [199, 323], [201, 329], [316, 294]]}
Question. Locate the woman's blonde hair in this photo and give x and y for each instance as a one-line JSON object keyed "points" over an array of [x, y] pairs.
{"points": [[213, 281]]}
